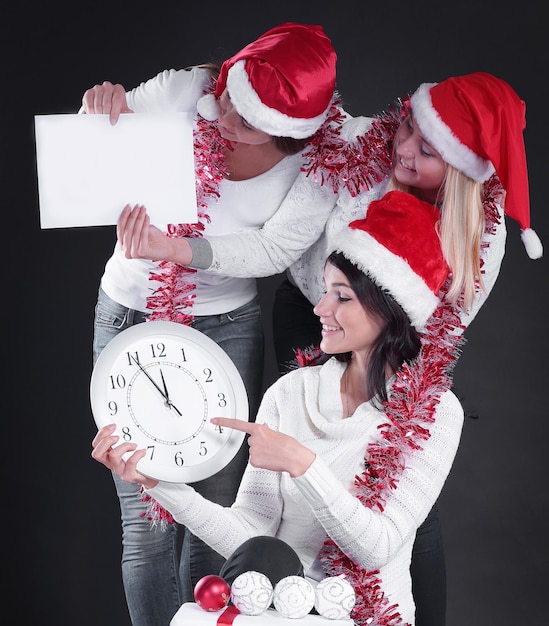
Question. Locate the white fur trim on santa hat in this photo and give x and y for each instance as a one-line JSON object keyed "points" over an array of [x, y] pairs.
{"points": [[443, 140], [270, 121], [391, 272], [532, 243]]}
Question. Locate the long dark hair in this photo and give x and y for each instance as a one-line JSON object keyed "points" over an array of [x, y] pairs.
{"points": [[398, 343]]}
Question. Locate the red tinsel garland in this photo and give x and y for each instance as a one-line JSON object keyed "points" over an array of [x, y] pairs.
{"points": [[156, 514], [356, 165], [409, 413], [173, 299]]}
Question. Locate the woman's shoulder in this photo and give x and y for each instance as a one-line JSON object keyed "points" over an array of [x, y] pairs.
{"points": [[192, 79], [450, 405], [193, 73], [354, 127], [355, 157]]}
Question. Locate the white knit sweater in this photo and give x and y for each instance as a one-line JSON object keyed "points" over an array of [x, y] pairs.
{"points": [[304, 511]]}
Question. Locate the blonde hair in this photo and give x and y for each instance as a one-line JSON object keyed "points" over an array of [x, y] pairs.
{"points": [[461, 228]]}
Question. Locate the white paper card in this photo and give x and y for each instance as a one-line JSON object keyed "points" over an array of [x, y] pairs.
{"points": [[88, 170]]}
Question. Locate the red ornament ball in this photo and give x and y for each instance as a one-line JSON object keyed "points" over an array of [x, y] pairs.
{"points": [[212, 593]]}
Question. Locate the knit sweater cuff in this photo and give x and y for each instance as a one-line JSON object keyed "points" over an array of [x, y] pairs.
{"points": [[202, 253], [171, 496], [318, 485]]}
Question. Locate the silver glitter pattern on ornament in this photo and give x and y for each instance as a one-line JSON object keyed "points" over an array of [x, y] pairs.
{"points": [[293, 596], [335, 597], [251, 593]]}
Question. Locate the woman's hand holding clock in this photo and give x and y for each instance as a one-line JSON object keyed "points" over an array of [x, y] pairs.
{"points": [[110, 455]]}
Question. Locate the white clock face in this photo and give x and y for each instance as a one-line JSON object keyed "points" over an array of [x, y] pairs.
{"points": [[161, 383]]}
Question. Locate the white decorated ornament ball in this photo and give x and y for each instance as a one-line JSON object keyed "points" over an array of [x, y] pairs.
{"points": [[252, 593], [293, 596], [335, 598]]}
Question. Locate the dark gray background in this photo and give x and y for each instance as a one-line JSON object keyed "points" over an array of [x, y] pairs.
{"points": [[60, 511]]}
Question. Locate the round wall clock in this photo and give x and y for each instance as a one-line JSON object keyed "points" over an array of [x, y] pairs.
{"points": [[161, 382]]}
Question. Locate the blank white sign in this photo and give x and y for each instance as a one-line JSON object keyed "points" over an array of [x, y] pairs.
{"points": [[88, 169]]}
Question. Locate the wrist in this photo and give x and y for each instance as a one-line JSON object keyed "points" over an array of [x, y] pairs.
{"points": [[181, 251], [201, 253], [304, 463]]}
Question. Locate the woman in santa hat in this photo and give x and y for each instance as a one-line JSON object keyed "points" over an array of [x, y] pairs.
{"points": [[253, 117], [343, 468], [458, 144]]}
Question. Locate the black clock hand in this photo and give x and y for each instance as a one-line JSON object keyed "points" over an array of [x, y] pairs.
{"points": [[150, 378], [164, 385], [168, 401]]}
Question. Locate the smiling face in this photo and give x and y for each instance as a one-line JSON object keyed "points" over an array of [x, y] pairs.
{"points": [[346, 325], [234, 127], [417, 163]]}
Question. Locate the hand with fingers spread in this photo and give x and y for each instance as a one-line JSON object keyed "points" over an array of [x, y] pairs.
{"points": [[106, 98], [110, 455], [270, 449]]}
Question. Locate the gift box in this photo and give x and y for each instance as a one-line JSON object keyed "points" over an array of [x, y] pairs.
{"points": [[191, 613]]}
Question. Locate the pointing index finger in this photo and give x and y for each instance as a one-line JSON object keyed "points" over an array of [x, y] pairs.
{"points": [[230, 422]]}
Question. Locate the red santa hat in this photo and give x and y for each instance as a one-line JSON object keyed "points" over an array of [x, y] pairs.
{"points": [[476, 123], [282, 83], [398, 246]]}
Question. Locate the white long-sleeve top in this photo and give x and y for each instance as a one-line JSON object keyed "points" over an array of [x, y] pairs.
{"points": [[297, 236], [242, 205], [304, 511]]}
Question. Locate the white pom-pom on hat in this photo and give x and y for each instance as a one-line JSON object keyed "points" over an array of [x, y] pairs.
{"points": [[532, 243], [207, 107]]}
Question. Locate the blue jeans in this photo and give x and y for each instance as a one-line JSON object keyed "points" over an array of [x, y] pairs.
{"points": [[161, 566]]}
